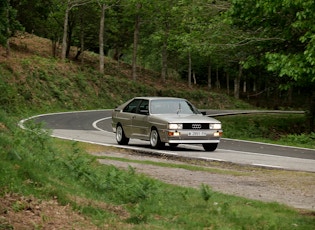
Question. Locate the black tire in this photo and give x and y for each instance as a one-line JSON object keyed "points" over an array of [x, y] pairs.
{"points": [[210, 147], [173, 145], [155, 140], [120, 136]]}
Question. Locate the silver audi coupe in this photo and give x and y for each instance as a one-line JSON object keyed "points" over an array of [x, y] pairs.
{"points": [[163, 120]]}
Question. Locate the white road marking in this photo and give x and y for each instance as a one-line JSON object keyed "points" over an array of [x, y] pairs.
{"points": [[268, 166], [263, 143], [211, 159], [99, 120]]}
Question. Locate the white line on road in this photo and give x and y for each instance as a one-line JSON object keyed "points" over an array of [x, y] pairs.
{"points": [[269, 166], [99, 120]]}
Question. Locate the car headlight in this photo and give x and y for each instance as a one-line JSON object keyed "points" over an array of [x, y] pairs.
{"points": [[215, 126], [175, 126]]}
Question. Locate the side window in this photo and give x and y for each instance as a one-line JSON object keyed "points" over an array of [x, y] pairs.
{"points": [[144, 105], [132, 106]]}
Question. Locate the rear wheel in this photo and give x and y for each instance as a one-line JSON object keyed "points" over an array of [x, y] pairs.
{"points": [[155, 140], [120, 136], [210, 146]]}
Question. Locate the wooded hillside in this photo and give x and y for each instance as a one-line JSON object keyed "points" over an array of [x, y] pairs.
{"points": [[247, 48]]}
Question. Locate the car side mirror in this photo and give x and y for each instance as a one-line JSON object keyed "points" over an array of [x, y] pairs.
{"points": [[204, 113]]}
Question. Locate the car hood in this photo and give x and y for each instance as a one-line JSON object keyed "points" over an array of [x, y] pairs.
{"points": [[185, 118]]}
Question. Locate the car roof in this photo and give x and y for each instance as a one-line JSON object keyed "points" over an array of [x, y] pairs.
{"points": [[159, 98]]}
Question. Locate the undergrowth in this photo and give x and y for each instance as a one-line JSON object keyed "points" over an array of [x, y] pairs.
{"points": [[48, 85], [286, 129]]}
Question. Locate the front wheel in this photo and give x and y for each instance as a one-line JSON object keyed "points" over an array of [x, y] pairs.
{"points": [[155, 140], [173, 145], [210, 146], [120, 136]]}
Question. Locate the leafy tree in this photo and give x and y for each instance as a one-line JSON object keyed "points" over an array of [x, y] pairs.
{"points": [[163, 22], [198, 33], [137, 12], [8, 24], [3, 22], [288, 26], [104, 5], [33, 15], [69, 5]]}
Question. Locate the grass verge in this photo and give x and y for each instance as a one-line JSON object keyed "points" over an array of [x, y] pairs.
{"points": [[283, 129]]}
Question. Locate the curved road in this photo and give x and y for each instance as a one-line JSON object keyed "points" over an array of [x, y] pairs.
{"points": [[95, 127]]}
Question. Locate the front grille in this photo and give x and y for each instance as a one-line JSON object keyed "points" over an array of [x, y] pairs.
{"points": [[196, 126]]}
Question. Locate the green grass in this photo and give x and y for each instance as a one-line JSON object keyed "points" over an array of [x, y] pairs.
{"points": [[283, 129], [62, 169], [189, 167]]}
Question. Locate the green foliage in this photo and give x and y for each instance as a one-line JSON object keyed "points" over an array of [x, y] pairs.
{"points": [[3, 22], [289, 26], [40, 167], [301, 139], [8, 22], [276, 128], [206, 192]]}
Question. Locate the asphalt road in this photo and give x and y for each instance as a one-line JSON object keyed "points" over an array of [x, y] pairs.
{"points": [[95, 127]]}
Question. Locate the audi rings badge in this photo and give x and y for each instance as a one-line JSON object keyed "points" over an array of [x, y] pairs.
{"points": [[196, 126]]}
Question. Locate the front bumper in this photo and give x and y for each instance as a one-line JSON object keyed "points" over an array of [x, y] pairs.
{"points": [[191, 136]]}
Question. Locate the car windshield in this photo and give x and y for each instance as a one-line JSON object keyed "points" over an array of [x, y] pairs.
{"points": [[172, 106]]}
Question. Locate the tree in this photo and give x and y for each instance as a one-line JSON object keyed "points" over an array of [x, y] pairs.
{"points": [[101, 36], [70, 4], [4, 22], [288, 26], [165, 19], [195, 36], [136, 39], [33, 14], [104, 6], [8, 24]]}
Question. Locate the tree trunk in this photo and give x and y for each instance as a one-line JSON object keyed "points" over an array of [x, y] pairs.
{"points": [[7, 47], [311, 115], [82, 47], [101, 39], [254, 86], [194, 77], [237, 81], [228, 83], [244, 87], [54, 46], [65, 33], [217, 82], [164, 61], [209, 75], [290, 91], [69, 39], [135, 44], [189, 70]]}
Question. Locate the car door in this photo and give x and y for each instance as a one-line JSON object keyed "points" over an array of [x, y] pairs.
{"points": [[140, 125], [127, 116]]}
